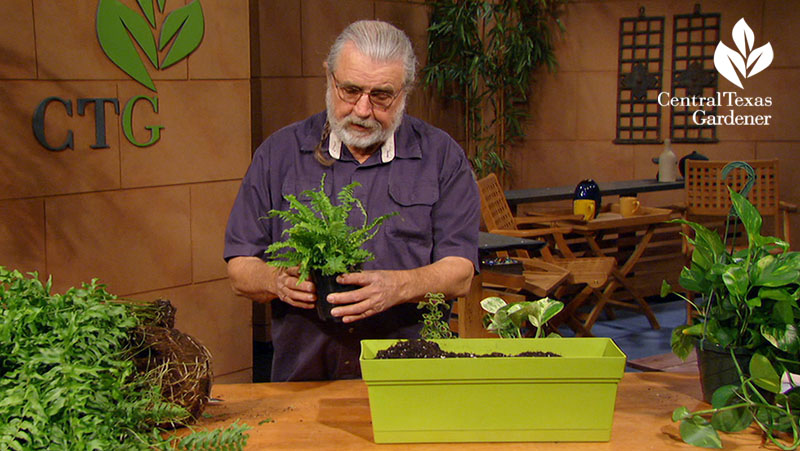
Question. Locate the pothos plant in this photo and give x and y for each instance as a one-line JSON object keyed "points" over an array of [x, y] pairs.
{"points": [[508, 320], [749, 303], [320, 237]]}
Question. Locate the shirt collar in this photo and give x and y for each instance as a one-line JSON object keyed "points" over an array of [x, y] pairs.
{"points": [[406, 140], [335, 148]]}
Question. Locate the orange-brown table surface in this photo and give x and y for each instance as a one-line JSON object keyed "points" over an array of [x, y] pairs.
{"points": [[335, 415]]}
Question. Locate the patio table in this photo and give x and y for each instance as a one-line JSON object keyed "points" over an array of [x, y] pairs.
{"points": [[618, 188], [641, 227]]}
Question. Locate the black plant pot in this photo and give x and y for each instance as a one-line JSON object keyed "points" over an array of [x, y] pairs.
{"points": [[326, 285], [717, 368]]}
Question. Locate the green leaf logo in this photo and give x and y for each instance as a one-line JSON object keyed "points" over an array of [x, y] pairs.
{"points": [[120, 29]]}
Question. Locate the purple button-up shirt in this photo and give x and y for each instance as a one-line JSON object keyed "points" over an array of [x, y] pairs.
{"points": [[427, 180]]}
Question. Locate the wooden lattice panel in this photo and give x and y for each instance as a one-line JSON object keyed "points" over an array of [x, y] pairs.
{"points": [[694, 39], [640, 69]]}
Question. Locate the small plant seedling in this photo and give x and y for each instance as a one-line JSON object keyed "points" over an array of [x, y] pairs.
{"points": [[433, 326], [507, 320]]}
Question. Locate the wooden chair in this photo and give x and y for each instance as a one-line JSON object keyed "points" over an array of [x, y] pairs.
{"points": [[591, 274], [706, 194]]}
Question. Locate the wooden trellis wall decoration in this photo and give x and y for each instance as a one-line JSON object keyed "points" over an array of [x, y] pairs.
{"points": [[694, 39], [640, 70]]}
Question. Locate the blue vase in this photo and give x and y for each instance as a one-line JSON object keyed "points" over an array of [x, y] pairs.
{"points": [[588, 189]]}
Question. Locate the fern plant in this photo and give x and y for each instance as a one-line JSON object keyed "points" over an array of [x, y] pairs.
{"points": [[320, 237], [68, 379]]}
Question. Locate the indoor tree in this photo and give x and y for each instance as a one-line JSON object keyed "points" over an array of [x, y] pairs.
{"points": [[483, 54]]}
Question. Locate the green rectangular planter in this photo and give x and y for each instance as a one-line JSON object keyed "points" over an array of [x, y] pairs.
{"points": [[495, 399]]}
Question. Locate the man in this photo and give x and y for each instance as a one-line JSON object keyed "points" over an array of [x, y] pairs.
{"points": [[403, 165]]}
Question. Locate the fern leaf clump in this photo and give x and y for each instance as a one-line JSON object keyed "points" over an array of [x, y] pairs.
{"points": [[320, 237]]}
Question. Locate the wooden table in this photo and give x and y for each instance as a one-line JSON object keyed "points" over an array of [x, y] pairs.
{"points": [[489, 243], [620, 188], [470, 313], [611, 222], [335, 415]]}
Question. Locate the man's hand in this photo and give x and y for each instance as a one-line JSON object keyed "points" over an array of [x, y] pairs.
{"points": [[288, 291], [380, 290], [252, 278]]}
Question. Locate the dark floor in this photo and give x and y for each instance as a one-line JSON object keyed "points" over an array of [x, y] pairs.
{"points": [[633, 334], [630, 331]]}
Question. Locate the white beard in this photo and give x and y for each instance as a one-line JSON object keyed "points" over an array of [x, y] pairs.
{"points": [[375, 135]]}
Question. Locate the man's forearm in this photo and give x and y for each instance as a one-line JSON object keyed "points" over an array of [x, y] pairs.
{"points": [[450, 276], [252, 278]]}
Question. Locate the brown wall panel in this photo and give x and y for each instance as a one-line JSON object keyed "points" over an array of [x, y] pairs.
{"points": [[279, 39], [306, 96], [210, 204], [323, 20], [411, 18], [29, 168], [67, 45], [17, 50], [553, 113], [780, 16], [224, 52], [202, 139], [22, 229], [134, 240]]}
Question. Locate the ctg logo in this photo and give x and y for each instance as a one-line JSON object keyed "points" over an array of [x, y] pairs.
{"points": [[747, 61], [118, 27], [119, 30]]}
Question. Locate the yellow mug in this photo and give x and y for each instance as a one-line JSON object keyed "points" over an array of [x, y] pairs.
{"points": [[584, 207], [628, 206]]}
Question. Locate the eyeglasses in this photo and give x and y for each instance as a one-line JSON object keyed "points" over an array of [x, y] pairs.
{"points": [[377, 97]]}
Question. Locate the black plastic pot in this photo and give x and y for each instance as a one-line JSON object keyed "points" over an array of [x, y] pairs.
{"points": [[326, 285], [717, 368]]}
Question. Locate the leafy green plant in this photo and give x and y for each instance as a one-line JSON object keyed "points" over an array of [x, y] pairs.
{"points": [[749, 296], [67, 378], [749, 302], [433, 325], [756, 399], [119, 27], [482, 53], [320, 237], [508, 320]]}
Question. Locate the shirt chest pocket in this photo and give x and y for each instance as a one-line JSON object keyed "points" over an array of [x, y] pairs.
{"points": [[414, 202]]}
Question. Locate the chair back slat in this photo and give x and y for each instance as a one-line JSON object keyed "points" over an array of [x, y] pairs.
{"points": [[494, 207], [706, 194]]}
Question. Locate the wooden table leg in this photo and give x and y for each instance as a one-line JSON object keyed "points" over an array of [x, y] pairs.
{"points": [[620, 275], [470, 314]]}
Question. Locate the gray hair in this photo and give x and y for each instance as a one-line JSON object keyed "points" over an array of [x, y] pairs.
{"points": [[380, 41]]}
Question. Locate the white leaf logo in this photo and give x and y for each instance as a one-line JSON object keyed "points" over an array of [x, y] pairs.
{"points": [[747, 61]]}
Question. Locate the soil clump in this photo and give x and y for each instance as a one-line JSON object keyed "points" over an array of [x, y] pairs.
{"points": [[424, 349]]}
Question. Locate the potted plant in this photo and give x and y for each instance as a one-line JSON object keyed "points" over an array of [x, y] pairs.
{"points": [[322, 243], [749, 314], [457, 399]]}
